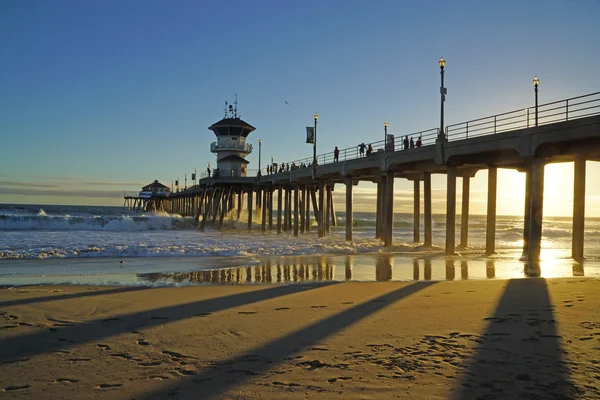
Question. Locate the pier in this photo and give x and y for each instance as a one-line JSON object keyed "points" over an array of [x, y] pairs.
{"points": [[525, 140]]}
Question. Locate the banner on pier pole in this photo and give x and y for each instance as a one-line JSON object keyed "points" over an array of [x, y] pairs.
{"points": [[310, 134]]}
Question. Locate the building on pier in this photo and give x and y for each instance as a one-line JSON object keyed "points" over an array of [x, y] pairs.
{"points": [[231, 148]]}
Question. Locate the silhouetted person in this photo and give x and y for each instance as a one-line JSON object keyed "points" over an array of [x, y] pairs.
{"points": [[361, 148], [336, 154], [405, 142], [369, 150], [208, 171], [412, 143], [419, 144]]}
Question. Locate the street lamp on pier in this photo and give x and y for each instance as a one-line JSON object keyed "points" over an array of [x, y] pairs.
{"points": [[536, 83], [443, 92], [316, 117], [259, 152], [385, 124]]}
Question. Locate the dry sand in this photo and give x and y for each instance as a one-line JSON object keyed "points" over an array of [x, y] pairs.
{"points": [[494, 339]]}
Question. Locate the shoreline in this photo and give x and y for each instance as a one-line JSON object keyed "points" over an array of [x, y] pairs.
{"points": [[511, 338]]}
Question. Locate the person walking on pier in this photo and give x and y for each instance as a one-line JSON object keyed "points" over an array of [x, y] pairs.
{"points": [[336, 155], [412, 143], [419, 143], [369, 150], [362, 147], [208, 171], [405, 142]]}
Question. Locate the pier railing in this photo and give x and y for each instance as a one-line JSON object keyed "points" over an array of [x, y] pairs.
{"points": [[557, 111], [548, 113]]}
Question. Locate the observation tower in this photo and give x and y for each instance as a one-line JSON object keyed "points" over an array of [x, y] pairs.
{"points": [[231, 148]]}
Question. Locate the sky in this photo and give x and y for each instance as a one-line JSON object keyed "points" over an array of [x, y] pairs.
{"points": [[101, 98]]}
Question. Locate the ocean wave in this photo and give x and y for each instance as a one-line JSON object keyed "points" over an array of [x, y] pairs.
{"points": [[41, 221]]}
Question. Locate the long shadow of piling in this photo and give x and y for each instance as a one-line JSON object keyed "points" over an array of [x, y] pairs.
{"points": [[31, 344], [32, 300], [221, 376], [519, 355]]}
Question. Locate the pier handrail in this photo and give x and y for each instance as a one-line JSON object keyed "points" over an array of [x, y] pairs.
{"points": [[556, 111]]}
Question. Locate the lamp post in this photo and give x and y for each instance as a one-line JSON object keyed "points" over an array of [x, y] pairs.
{"points": [[443, 92], [385, 136], [259, 151], [316, 117], [536, 83]]}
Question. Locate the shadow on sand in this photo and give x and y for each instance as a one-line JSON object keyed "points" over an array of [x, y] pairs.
{"points": [[28, 345], [519, 355], [219, 377]]}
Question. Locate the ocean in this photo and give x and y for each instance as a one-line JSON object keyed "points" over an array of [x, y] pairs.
{"points": [[51, 244]]}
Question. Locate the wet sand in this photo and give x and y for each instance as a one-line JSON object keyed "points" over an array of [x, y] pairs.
{"points": [[519, 338]]}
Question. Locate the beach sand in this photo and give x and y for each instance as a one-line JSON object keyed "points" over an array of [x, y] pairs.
{"points": [[529, 338]]}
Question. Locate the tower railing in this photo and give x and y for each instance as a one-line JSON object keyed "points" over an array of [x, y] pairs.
{"points": [[230, 146]]}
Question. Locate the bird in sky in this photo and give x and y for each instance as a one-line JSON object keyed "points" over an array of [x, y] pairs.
{"points": [[287, 103]]}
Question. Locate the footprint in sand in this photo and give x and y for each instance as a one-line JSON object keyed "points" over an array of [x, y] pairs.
{"points": [[103, 346], [318, 306], [13, 388], [142, 342], [79, 359], [149, 363], [159, 377], [124, 356], [108, 385], [174, 354], [65, 380], [348, 302], [15, 361], [204, 314], [282, 308], [248, 312], [24, 324]]}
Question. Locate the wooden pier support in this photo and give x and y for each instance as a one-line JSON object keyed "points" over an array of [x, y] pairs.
{"points": [[270, 194], [279, 205], [250, 193], [224, 207], [537, 207], [286, 195], [379, 211], [427, 207], [332, 206], [296, 210], [321, 220], [239, 204], [389, 209], [349, 216], [578, 209], [464, 214], [263, 225], [416, 210], [328, 199], [527, 213], [313, 197], [451, 211], [490, 236]]}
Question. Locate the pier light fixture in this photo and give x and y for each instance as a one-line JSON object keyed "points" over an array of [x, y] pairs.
{"points": [[385, 125], [443, 92], [259, 151], [536, 83], [442, 63], [314, 163]]}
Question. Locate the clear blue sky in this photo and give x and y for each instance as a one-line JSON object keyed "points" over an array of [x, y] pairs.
{"points": [[105, 96]]}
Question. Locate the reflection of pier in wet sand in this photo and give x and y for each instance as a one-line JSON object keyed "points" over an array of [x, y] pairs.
{"points": [[374, 267]]}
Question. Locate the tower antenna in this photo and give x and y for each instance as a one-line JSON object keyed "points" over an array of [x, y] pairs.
{"points": [[235, 106]]}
